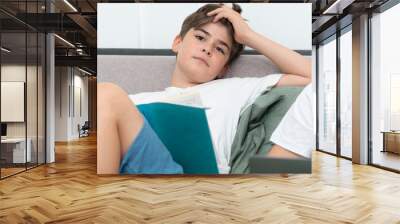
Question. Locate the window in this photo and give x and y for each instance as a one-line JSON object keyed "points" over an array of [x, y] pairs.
{"points": [[385, 88], [394, 101], [22, 68], [327, 96], [346, 93]]}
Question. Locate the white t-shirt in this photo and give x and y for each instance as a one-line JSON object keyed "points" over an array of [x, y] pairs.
{"points": [[296, 131], [226, 100]]}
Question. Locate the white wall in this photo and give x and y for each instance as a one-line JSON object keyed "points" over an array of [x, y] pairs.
{"points": [[33, 126], [61, 103], [66, 100], [16, 72], [149, 25], [80, 83]]}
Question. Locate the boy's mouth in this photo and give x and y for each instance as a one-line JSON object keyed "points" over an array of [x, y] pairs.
{"points": [[201, 59]]}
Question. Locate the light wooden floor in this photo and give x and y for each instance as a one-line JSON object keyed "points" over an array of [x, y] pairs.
{"points": [[69, 191], [5, 172], [9, 171]]}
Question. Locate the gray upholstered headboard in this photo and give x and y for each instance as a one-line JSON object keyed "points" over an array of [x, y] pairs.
{"points": [[143, 73]]}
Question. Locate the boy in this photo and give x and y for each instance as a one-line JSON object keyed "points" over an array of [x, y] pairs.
{"points": [[210, 39]]}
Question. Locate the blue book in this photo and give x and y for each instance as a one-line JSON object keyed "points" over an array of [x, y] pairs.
{"points": [[184, 131]]}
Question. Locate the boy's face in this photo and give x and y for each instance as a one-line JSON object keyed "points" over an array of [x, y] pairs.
{"points": [[203, 52]]}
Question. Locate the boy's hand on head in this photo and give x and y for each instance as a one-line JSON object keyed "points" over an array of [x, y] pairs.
{"points": [[242, 29]]}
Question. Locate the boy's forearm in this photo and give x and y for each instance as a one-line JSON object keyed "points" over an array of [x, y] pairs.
{"points": [[288, 61]]}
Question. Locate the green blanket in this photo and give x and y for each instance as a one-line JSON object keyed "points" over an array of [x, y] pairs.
{"points": [[256, 125]]}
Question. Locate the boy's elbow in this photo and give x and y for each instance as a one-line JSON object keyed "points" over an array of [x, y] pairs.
{"points": [[304, 81]]}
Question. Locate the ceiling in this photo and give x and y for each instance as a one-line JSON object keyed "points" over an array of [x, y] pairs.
{"points": [[76, 22]]}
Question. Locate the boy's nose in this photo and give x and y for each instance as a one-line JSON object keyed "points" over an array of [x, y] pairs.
{"points": [[207, 52]]}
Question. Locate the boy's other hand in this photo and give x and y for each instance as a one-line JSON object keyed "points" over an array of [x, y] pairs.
{"points": [[242, 29]]}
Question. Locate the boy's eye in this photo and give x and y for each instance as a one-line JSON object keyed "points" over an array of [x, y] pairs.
{"points": [[199, 37], [220, 50]]}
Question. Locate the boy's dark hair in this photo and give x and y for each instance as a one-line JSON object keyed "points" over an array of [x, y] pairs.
{"points": [[200, 18]]}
